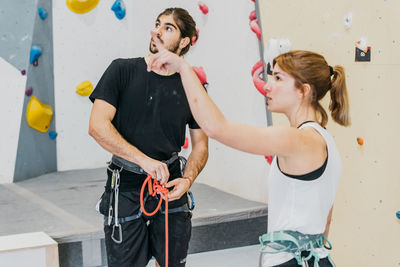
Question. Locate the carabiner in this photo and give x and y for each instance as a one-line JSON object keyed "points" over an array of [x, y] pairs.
{"points": [[120, 234]]}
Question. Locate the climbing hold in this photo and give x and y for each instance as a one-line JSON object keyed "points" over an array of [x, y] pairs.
{"points": [[194, 38], [255, 28], [362, 44], [84, 88], [81, 6], [53, 135], [119, 9], [38, 115], [274, 48], [360, 141], [186, 144], [42, 13], [23, 72], [269, 159], [348, 20], [253, 15], [29, 91], [398, 214], [36, 52], [259, 83], [201, 75], [203, 7]]}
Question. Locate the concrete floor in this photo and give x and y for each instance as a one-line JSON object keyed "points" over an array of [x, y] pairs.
{"points": [[234, 257]]}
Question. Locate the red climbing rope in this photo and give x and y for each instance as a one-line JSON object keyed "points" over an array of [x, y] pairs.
{"points": [[153, 189]]}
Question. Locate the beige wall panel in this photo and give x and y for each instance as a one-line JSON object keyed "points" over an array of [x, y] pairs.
{"points": [[365, 230]]}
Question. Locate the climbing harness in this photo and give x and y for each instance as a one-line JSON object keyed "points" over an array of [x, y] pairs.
{"points": [[112, 219], [294, 242]]}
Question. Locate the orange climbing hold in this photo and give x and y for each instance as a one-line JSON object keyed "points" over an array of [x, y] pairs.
{"points": [[360, 141], [38, 115]]}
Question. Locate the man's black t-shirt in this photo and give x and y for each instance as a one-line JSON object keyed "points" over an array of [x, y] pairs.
{"points": [[152, 110]]}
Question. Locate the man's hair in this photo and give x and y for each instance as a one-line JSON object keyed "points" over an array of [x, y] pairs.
{"points": [[185, 23]]}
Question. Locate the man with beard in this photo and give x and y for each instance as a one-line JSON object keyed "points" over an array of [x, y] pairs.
{"points": [[140, 117]]}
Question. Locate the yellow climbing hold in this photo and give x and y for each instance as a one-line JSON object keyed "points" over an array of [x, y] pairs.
{"points": [[85, 88], [38, 115], [81, 6]]}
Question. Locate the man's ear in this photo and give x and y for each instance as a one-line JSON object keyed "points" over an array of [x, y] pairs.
{"points": [[184, 42]]}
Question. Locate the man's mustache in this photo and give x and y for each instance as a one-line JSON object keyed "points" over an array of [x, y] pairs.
{"points": [[159, 39]]}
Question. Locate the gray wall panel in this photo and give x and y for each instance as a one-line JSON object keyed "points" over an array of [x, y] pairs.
{"points": [[36, 152]]}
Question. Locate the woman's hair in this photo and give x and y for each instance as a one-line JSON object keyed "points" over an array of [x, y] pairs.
{"points": [[185, 23], [311, 68]]}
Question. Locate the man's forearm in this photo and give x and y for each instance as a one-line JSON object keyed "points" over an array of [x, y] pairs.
{"points": [[195, 163], [109, 138]]}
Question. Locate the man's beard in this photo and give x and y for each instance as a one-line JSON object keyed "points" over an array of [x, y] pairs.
{"points": [[172, 48]]}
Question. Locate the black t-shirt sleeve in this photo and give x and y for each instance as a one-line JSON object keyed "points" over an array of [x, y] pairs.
{"points": [[109, 86], [193, 124]]}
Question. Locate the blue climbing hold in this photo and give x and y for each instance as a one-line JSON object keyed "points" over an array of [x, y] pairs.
{"points": [[52, 135], [36, 52], [42, 13], [398, 214], [119, 9]]}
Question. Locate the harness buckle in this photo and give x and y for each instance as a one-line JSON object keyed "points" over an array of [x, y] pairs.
{"points": [[119, 226]]}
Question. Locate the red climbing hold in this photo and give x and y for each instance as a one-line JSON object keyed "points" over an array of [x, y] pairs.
{"points": [[255, 28], [186, 144], [253, 15], [194, 38], [203, 7], [269, 159], [258, 82], [200, 74]]}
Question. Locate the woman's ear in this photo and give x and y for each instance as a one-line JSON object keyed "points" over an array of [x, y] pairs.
{"points": [[184, 42], [307, 91]]}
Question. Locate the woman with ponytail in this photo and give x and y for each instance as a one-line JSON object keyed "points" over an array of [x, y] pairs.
{"points": [[306, 169]]}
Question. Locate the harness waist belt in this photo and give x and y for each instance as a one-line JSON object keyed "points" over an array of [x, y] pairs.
{"points": [[183, 208], [294, 242], [133, 167]]}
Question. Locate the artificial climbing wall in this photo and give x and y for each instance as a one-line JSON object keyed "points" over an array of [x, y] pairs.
{"points": [[364, 230], [25, 152], [84, 45]]}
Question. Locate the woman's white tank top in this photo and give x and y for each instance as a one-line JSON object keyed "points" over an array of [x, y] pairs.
{"points": [[302, 205]]}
